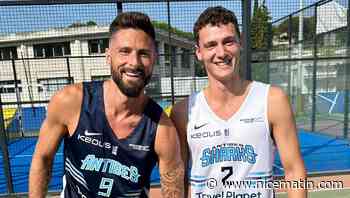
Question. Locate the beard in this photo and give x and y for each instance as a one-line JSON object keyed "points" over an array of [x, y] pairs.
{"points": [[132, 88]]}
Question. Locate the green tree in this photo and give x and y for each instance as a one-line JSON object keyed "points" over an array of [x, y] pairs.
{"points": [[76, 24], [91, 23], [308, 28], [260, 38], [80, 24], [166, 27], [259, 26]]}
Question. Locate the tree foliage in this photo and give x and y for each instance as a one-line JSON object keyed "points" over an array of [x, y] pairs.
{"points": [[260, 26], [80, 24], [166, 27], [308, 27], [260, 37]]}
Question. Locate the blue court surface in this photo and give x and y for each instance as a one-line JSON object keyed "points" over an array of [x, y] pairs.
{"points": [[322, 154]]}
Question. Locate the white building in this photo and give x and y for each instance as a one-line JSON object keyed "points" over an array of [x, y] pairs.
{"points": [[44, 61]]}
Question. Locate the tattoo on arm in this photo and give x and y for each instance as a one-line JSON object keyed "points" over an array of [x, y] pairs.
{"points": [[172, 182]]}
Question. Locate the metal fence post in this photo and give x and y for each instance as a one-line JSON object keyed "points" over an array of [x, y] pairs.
{"points": [[269, 48], [314, 73], [290, 56], [3, 144], [246, 62], [119, 7], [347, 73], [171, 57], [70, 79]]}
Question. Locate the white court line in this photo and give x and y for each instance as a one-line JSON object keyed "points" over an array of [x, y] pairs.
{"points": [[325, 98], [20, 156], [333, 103]]}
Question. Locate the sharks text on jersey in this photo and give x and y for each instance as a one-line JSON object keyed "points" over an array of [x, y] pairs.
{"points": [[228, 152]]}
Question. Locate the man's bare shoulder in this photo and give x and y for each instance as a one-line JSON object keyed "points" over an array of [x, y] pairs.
{"points": [[68, 96], [277, 94], [67, 101], [180, 108], [278, 105]]}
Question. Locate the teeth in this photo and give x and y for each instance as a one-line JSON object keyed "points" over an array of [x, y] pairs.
{"points": [[133, 74]]}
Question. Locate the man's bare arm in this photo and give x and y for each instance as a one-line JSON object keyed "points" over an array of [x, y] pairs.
{"points": [[179, 116], [285, 135], [51, 133], [171, 167]]}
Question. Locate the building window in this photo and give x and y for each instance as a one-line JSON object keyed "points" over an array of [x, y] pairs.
{"points": [[185, 58], [52, 50], [8, 86], [100, 78], [167, 54], [8, 53], [98, 46], [173, 56], [51, 85]]}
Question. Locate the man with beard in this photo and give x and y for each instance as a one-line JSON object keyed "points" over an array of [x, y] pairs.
{"points": [[113, 133]]}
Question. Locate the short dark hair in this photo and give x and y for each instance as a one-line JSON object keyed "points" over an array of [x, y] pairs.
{"points": [[215, 16], [135, 20]]}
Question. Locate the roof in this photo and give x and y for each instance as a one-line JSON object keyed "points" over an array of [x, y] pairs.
{"points": [[331, 16]]}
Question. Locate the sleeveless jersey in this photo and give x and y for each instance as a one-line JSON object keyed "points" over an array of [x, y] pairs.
{"points": [[230, 158], [97, 163]]}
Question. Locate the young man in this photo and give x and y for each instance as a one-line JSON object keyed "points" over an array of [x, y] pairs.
{"points": [[113, 133], [229, 130]]}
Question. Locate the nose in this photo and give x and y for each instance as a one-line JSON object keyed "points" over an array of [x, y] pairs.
{"points": [[134, 59], [220, 51]]}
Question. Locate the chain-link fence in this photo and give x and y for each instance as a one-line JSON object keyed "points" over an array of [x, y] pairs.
{"points": [[309, 57], [45, 45]]}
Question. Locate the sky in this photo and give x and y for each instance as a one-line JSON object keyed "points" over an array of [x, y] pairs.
{"points": [[182, 14]]}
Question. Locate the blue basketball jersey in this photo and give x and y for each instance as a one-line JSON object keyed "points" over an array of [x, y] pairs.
{"points": [[97, 163]]}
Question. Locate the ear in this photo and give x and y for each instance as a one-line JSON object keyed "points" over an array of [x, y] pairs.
{"points": [[198, 53], [108, 56]]}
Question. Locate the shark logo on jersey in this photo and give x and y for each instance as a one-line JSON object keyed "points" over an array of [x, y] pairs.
{"points": [[228, 152]]}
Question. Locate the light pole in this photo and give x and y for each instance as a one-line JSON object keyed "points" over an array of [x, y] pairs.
{"points": [[300, 78]]}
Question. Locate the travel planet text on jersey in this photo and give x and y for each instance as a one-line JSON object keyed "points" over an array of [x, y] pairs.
{"points": [[229, 194]]}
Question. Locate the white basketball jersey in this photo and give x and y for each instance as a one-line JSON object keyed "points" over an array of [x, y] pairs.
{"points": [[234, 157]]}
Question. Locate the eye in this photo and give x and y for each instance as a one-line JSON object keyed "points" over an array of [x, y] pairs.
{"points": [[145, 54], [124, 51], [231, 41], [210, 45]]}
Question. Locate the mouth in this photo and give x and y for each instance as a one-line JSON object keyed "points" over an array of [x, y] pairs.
{"points": [[227, 61], [133, 73]]}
